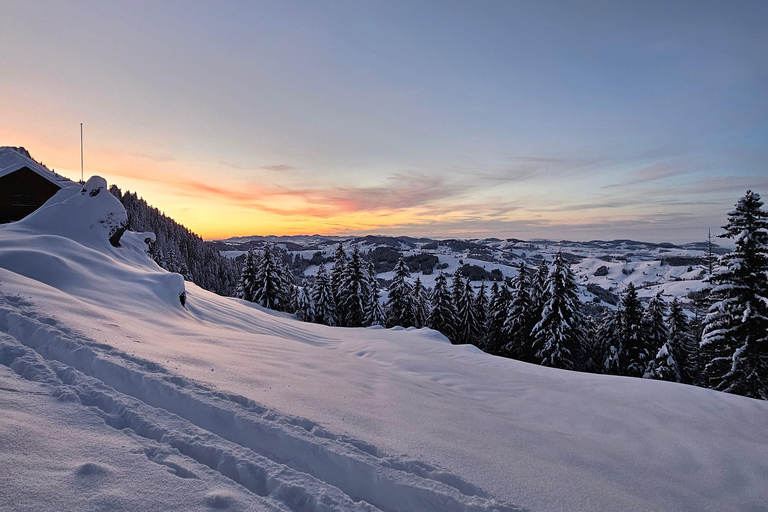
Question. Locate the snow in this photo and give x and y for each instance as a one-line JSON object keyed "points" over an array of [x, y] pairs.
{"points": [[131, 401], [12, 159]]}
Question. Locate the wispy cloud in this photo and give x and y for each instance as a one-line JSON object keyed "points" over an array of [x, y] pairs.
{"points": [[653, 173]]}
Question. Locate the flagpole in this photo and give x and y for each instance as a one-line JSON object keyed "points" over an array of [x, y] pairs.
{"points": [[81, 153]]}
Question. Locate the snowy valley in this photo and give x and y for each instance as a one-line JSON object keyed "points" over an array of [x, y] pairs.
{"points": [[125, 388]]}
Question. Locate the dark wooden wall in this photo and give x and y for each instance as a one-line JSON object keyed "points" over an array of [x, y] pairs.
{"points": [[22, 192]]}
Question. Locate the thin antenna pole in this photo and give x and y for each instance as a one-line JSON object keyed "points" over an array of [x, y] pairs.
{"points": [[81, 153]]}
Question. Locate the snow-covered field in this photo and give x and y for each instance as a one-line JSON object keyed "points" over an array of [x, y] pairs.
{"points": [[114, 396]]}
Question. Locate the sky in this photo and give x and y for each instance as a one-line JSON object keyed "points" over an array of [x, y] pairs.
{"points": [[526, 119]]}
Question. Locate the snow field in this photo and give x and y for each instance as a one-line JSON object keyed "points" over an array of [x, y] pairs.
{"points": [[274, 414], [291, 461]]}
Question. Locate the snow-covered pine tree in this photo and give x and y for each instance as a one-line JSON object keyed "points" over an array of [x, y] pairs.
{"points": [[609, 343], [420, 304], [467, 327], [322, 298], [679, 334], [246, 287], [442, 316], [521, 318], [664, 366], [374, 314], [735, 339], [655, 323], [400, 304], [304, 308], [669, 363], [539, 287], [353, 291], [270, 291], [594, 352], [457, 288], [558, 335], [633, 336], [337, 277], [481, 306], [498, 310]]}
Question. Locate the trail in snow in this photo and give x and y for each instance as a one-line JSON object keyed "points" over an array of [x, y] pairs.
{"points": [[291, 461]]}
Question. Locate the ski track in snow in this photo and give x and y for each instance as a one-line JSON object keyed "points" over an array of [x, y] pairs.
{"points": [[293, 463]]}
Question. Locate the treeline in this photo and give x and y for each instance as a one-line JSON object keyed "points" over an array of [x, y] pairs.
{"points": [[178, 249], [539, 318]]}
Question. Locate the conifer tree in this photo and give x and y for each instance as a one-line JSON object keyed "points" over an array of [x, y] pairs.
{"points": [[539, 287], [498, 310], [679, 333], [609, 343], [457, 288], [322, 298], [400, 304], [594, 351], [374, 314], [353, 291], [669, 363], [467, 328], [337, 277], [246, 287], [521, 318], [481, 306], [655, 323], [735, 339], [305, 310], [270, 292], [633, 338], [558, 335], [420, 304], [442, 316]]}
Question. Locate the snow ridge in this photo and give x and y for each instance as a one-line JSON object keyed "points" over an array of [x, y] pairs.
{"points": [[293, 463]]}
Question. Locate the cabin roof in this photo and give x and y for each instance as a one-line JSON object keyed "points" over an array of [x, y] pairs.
{"points": [[12, 159]]}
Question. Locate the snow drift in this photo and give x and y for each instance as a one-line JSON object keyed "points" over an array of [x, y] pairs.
{"points": [[250, 409]]}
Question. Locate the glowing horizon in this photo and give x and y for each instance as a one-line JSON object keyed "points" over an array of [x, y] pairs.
{"points": [[302, 118]]}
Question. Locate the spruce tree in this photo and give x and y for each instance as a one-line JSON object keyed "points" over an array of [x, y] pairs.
{"points": [[420, 304], [521, 318], [467, 327], [498, 310], [374, 314], [679, 333], [337, 277], [353, 291], [305, 310], [457, 288], [400, 310], [322, 298], [655, 323], [633, 338], [609, 343], [246, 287], [558, 335], [539, 287], [481, 306], [735, 339], [442, 316], [669, 363], [270, 292]]}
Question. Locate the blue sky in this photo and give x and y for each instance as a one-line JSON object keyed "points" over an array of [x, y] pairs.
{"points": [[585, 120]]}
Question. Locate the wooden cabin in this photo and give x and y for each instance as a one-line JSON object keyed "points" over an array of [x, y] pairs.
{"points": [[25, 185]]}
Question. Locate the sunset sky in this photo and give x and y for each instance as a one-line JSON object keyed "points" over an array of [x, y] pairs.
{"points": [[527, 119]]}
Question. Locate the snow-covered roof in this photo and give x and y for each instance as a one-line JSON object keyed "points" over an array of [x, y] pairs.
{"points": [[12, 159]]}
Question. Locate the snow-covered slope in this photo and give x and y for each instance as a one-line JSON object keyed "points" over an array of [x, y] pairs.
{"points": [[135, 401]]}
